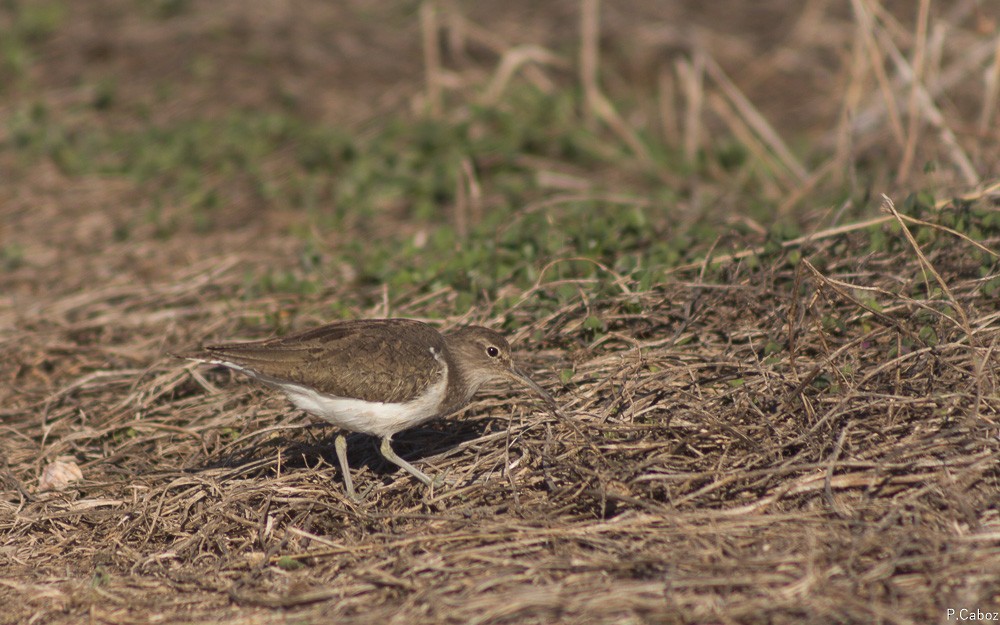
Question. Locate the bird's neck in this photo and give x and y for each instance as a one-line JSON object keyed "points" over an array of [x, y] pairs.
{"points": [[461, 388]]}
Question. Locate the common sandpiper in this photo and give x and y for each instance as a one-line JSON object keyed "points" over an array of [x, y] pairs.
{"points": [[376, 376]]}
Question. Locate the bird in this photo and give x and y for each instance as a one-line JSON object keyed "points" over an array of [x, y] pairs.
{"points": [[375, 376]]}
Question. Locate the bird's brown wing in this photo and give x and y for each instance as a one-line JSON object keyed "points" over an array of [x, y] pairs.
{"points": [[389, 360]]}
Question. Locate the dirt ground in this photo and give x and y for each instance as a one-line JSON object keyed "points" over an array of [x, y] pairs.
{"points": [[794, 430]]}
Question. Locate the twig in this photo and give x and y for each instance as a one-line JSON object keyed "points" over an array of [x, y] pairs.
{"points": [[887, 205], [932, 113], [913, 111], [866, 24], [432, 56], [597, 105], [511, 61], [692, 78], [755, 119]]}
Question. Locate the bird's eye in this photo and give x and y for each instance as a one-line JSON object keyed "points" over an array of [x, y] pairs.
{"points": [[492, 352]]}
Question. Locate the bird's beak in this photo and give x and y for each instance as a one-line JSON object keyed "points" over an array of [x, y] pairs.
{"points": [[519, 376]]}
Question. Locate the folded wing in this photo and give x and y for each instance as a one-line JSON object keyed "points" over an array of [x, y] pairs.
{"points": [[391, 360]]}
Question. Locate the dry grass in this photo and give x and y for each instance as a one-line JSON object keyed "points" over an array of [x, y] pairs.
{"points": [[696, 476], [766, 440]]}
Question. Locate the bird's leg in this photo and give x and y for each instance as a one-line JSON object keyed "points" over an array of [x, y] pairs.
{"points": [[340, 444], [386, 449]]}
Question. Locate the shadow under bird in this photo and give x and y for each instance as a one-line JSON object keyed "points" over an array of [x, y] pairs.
{"points": [[376, 376]]}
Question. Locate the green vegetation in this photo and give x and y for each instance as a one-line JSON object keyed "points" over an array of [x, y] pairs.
{"points": [[31, 23], [409, 171], [405, 172], [465, 201]]}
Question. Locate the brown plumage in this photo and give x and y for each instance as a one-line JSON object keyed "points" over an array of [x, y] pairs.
{"points": [[377, 376], [337, 359]]}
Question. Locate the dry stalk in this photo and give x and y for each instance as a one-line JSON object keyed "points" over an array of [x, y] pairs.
{"points": [[913, 112]]}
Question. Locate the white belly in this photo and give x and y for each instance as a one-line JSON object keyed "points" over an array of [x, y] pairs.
{"points": [[377, 418]]}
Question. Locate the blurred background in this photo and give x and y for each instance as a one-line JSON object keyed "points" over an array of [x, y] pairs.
{"points": [[421, 146]]}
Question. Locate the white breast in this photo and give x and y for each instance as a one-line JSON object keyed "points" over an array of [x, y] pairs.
{"points": [[377, 418], [368, 417]]}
